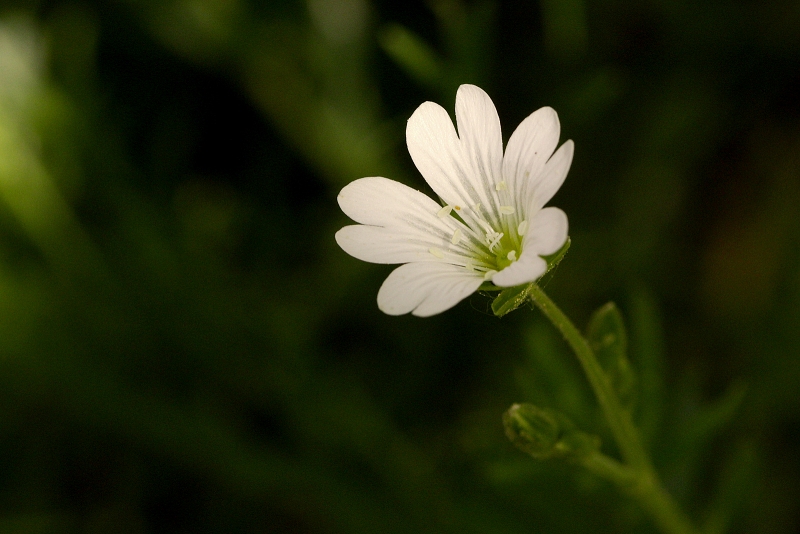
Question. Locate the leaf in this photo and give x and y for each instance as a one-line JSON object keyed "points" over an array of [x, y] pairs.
{"points": [[737, 482], [647, 350], [609, 341], [697, 424], [711, 419], [412, 54]]}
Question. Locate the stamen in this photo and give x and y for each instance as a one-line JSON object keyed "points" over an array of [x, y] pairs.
{"points": [[470, 266], [522, 228], [512, 256], [486, 227], [477, 207], [436, 252], [507, 210], [489, 274], [456, 237], [444, 212], [501, 186], [493, 240]]}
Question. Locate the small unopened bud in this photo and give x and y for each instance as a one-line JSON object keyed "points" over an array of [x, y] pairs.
{"points": [[545, 433], [532, 429]]}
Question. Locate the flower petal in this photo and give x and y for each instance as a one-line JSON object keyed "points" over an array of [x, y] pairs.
{"points": [[547, 232], [552, 176], [462, 171], [436, 151], [482, 141], [527, 152], [425, 289], [527, 268], [376, 244], [383, 202]]}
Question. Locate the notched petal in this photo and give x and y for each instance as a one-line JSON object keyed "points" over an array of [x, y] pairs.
{"points": [[528, 150], [436, 151], [480, 135], [553, 175]]}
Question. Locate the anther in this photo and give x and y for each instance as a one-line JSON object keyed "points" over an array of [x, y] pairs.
{"points": [[512, 256], [522, 228], [444, 212], [436, 252], [456, 237], [501, 186], [506, 210]]}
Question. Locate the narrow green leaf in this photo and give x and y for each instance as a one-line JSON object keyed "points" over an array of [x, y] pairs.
{"points": [[609, 340], [697, 425], [648, 352], [735, 487], [711, 419], [412, 54]]}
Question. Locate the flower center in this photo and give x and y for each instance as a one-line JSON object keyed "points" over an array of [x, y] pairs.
{"points": [[505, 253], [503, 249], [491, 250]]}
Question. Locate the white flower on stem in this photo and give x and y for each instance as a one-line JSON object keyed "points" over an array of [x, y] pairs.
{"points": [[493, 226]]}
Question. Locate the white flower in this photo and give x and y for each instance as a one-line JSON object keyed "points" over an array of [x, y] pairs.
{"points": [[492, 227]]}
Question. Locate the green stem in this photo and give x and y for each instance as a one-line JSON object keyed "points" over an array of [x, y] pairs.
{"points": [[618, 418], [610, 469], [644, 484]]}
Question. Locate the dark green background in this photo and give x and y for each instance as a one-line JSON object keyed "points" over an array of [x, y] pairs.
{"points": [[184, 348]]}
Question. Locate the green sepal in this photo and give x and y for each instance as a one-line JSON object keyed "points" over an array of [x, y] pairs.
{"points": [[512, 298], [488, 286], [554, 259], [608, 338], [544, 433], [552, 262]]}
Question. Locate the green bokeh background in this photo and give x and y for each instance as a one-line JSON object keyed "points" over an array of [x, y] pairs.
{"points": [[184, 348]]}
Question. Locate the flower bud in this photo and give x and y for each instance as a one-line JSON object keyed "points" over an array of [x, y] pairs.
{"points": [[545, 433], [532, 429]]}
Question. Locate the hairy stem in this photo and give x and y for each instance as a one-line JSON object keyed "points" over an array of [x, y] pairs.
{"points": [[637, 477]]}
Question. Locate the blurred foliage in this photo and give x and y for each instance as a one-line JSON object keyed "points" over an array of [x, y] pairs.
{"points": [[183, 348]]}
